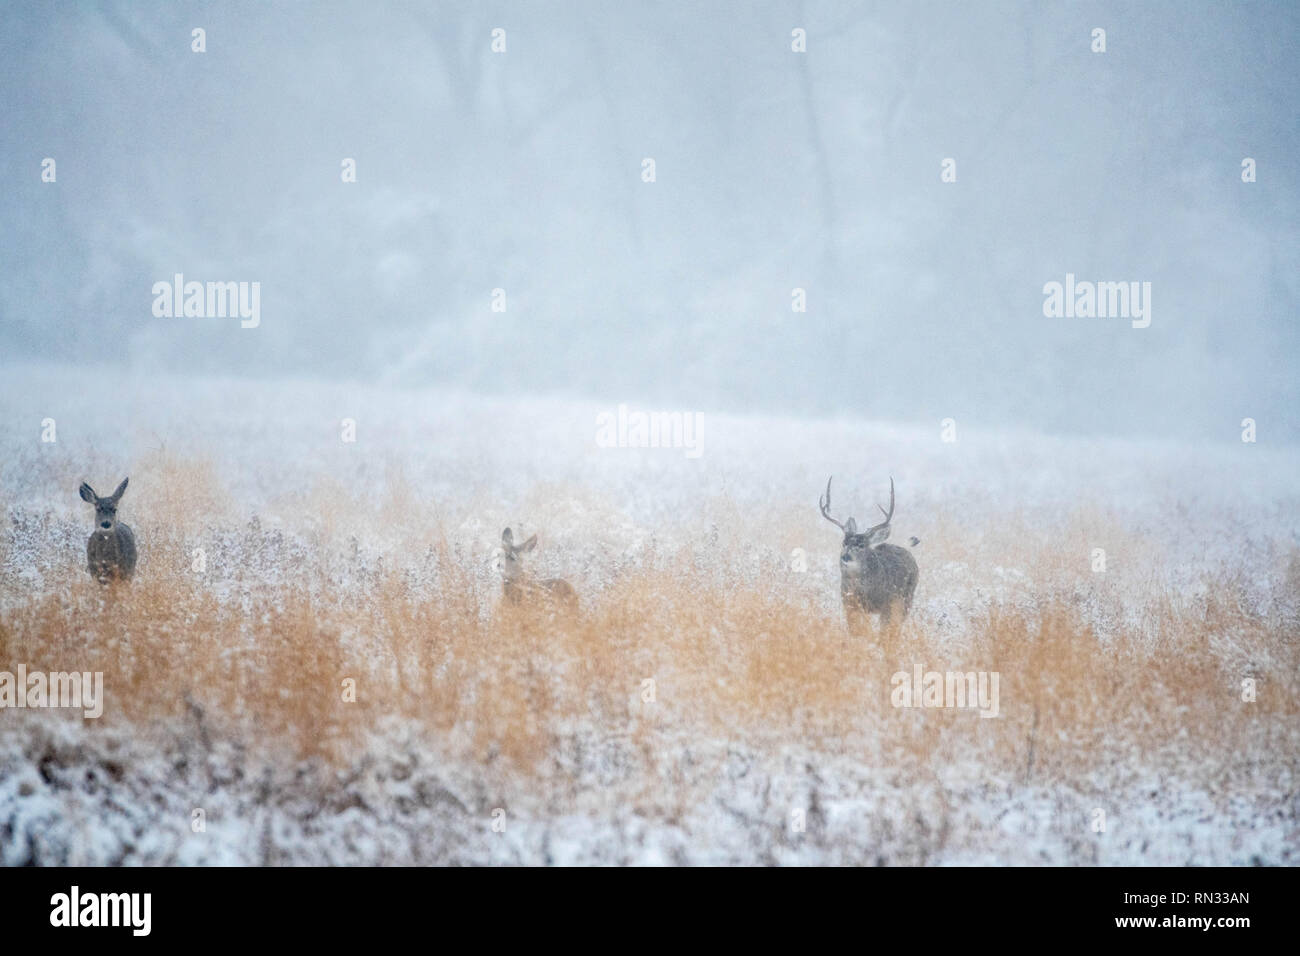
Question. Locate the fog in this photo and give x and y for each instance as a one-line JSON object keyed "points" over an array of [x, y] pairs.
{"points": [[774, 170]]}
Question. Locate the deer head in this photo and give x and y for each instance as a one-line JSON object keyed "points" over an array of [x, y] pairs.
{"points": [[105, 508], [856, 544], [512, 566]]}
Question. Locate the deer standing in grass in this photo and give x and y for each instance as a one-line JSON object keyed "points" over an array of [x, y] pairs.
{"points": [[110, 550], [875, 577], [520, 586]]}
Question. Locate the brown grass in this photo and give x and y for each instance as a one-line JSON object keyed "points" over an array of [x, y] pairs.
{"points": [[767, 667], [1096, 670]]}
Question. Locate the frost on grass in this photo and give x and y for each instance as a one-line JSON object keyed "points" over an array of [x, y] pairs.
{"points": [[706, 705]]}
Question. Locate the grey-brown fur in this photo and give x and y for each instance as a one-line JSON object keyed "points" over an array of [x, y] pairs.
{"points": [[521, 587], [875, 578], [110, 550]]}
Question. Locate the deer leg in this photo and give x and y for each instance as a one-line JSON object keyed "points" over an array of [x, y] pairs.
{"points": [[892, 616], [857, 620]]}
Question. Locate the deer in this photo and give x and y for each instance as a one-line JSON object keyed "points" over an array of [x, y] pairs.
{"points": [[110, 550], [521, 587], [875, 578]]}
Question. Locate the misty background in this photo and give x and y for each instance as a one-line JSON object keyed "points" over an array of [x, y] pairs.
{"points": [[774, 170]]}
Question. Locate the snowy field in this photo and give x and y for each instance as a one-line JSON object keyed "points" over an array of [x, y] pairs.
{"points": [[706, 704]]}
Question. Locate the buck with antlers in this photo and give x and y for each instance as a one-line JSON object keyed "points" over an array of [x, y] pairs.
{"points": [[874, 577]]}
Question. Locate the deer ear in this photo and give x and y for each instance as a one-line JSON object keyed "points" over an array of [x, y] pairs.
{"points": [[507, 538], [88, 493], [117, 495], [529, 544], [850, 527], [877, 536]]}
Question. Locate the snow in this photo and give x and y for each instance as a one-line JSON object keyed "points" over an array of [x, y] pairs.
{"points": [[1171, 517]]}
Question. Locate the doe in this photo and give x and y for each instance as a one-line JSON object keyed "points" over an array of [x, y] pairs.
{"points": [[110, 550], [520, 586]]}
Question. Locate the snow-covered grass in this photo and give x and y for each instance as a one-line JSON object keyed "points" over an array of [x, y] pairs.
{"points": [[706, 703]]}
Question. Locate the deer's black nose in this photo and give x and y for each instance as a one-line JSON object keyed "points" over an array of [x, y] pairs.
{"points": [[106, 524]]}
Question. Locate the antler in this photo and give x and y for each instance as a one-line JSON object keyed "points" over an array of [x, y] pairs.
{"points": [[825, 504], [890, 513]]}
